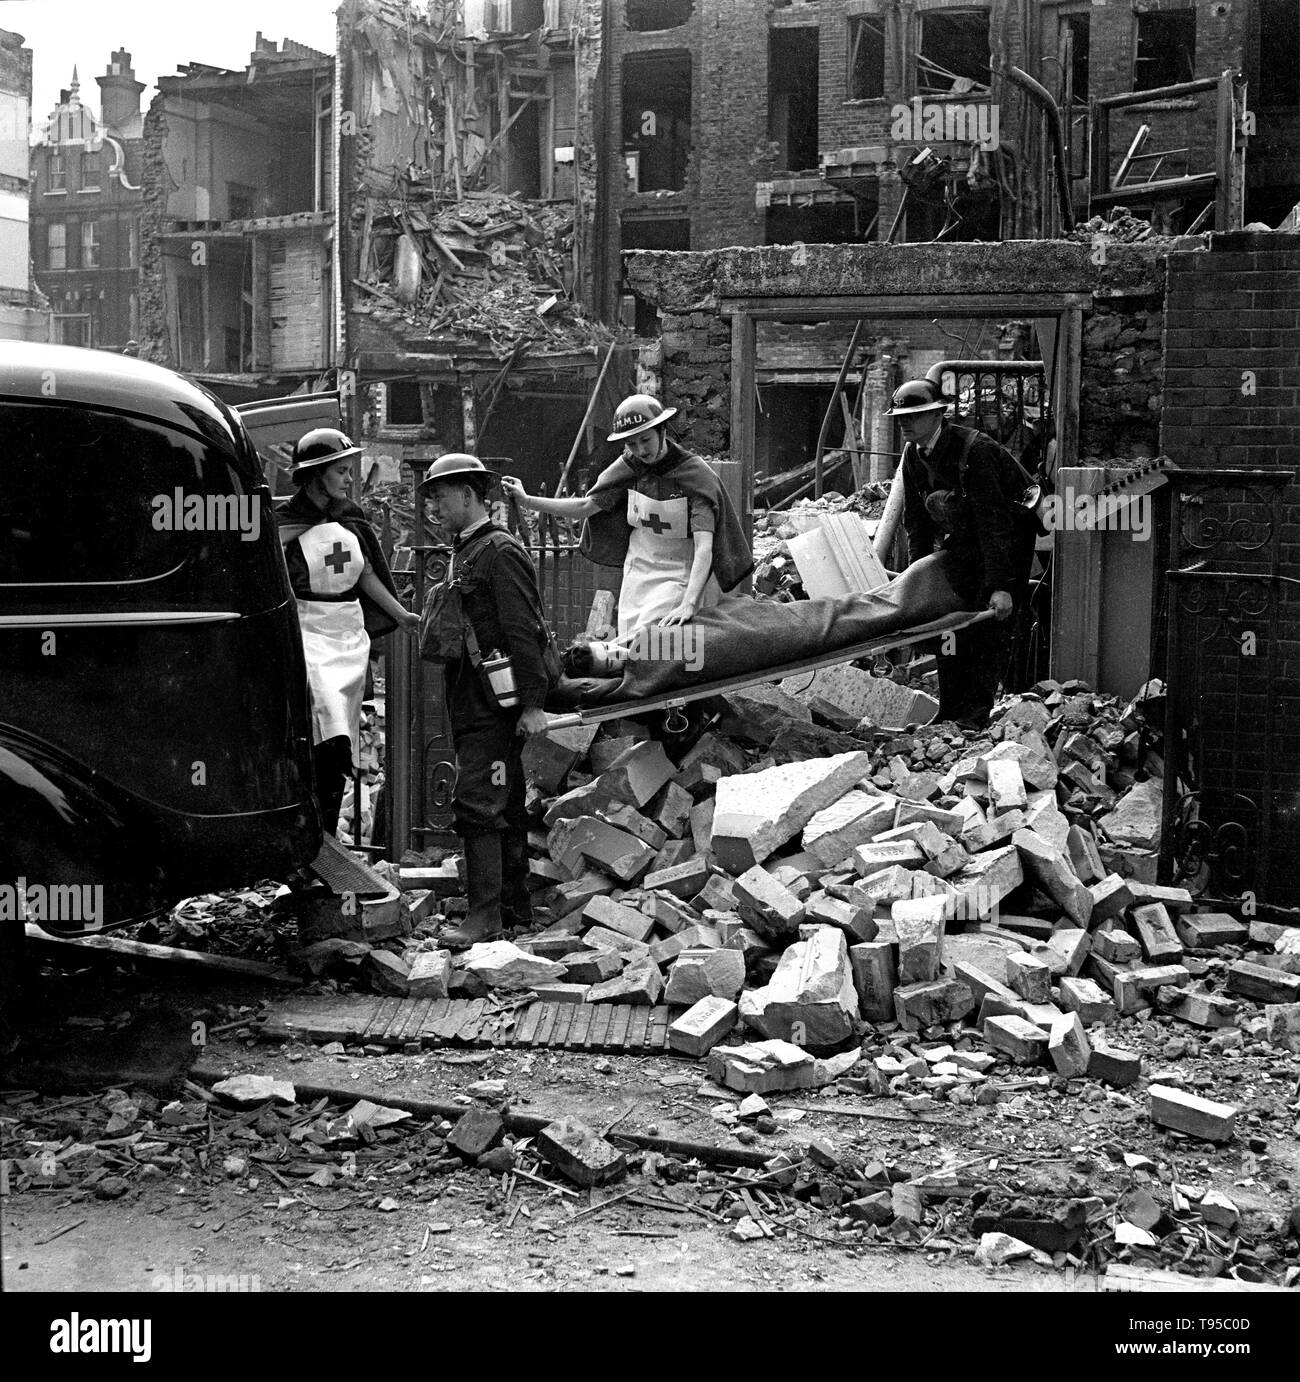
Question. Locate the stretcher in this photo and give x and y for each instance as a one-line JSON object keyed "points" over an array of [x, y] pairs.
{"points": [[674, 700]]}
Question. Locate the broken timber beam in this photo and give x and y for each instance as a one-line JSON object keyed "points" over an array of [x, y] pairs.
{"points": [[196, 961]]}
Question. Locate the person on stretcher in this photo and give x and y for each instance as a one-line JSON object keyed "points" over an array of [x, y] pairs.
{"points": [[661, 514]]}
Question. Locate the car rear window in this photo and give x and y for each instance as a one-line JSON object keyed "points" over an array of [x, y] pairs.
{"points": [[80, 494]]}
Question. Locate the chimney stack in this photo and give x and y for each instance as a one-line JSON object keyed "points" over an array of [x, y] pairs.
{"points": [[119, 92]]}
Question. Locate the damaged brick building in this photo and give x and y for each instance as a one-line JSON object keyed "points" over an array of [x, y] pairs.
{"points": [[238, 222]]}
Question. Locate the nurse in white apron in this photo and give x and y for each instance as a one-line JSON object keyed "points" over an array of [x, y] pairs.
{"points": [[330, 567], [668, 555]]}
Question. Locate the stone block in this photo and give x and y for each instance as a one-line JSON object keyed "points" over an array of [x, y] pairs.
{"points": [[1174, 900], [632, 779], [758, 812], [702, 826], [1050, 869], [811, 995], [1006, 785], [1156, 934], [477, 1130], [1020, 1041], [629, 819], [673, 853], [874, 858], [387, 973], [985, 881], [1070, 945], [702, 1026], [948, 819], [875, 977], [919, 925], [761, 1067], [1045, 818], [1029, 977], [669, 912], [604, 911], [981, 984], [1113, 1065], [766, 904], [700, 935], [981, 835], [888, 886], [1205, 930], [579, 1153], [1087, 999], [1135, 819], [574, 896], [1263, 984], [1200, 1009], [1033, 757], [608, 746], [1189, 1113], [591, 966], [561, 993], [1116, 946], [1283, 1029], [602, 938], [930, 1003], [503, 965], [1134, 987], [609, 849], [1111, 897], [640, 982], [683, 881], [857, 923], [704, 973], [1084, 856], [671, 810], [718, 895], [855, 819], [430, 975], [548, 757], [1067, 1046]]}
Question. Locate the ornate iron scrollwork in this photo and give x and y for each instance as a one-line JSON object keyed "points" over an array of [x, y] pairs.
{"points": [[1218, 854], [1203, 531]]}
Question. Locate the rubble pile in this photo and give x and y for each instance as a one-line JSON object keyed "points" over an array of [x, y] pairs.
{"points": [[489, 268], [775, 574], [1121, 227]]}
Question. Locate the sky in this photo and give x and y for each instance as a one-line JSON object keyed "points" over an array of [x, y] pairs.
{"points": [[159, 34]]}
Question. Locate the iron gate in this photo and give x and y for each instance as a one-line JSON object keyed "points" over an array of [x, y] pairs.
{"points": [[1231, 819]]}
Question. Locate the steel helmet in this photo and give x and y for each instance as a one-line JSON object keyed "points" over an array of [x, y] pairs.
{"points": [[916, 396], [637, 414], [455, 464], [321, 446]]}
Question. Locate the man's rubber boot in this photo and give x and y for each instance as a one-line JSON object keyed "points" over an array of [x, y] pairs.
{"points": [[483, 875], [516, 900]]}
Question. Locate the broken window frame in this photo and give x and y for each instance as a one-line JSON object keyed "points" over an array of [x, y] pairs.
{"points": [[631, 151], [920, 62], [1162, 46], [855, 23], [653, 28]]}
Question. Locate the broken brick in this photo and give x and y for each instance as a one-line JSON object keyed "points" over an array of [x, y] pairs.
{"points": [[477, 1130], [1191, 1114], [919, 925], [761, 1067], [579, 1153], [1029, 977], [1087, 999], [1019, 1040], [1113, 1065], [640, 982], [701, 973], [603, 911], [1159, 940], [702, 1026], [875, 978], [1204, 930], [1067, 1046], [931, 1003]]}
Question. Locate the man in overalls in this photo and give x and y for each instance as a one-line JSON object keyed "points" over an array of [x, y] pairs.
{"points": [[953, 500], [500, 603]]}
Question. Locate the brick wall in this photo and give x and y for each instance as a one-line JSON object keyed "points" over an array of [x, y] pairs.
{"points": [[1232, 386], [1120, 379]]}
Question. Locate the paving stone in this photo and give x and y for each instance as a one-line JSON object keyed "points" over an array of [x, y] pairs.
{"points": [[985, 881], [1134, 987], [1070, 945], [549, 756], [718, 894], [758, 812], [702, 826], [702, 1026], [981, 984], [579, 1153], [950, 820], [602, 938], [888, 886], [1046, 819], [1191, 1114], [574, 896]]}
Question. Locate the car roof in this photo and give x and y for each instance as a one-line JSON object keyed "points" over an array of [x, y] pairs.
{"points": [[100, 379]]}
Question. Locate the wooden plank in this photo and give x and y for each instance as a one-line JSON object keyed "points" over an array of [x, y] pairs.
{"points": [[526, 1028], [1123, 1276], [412, 1023], [565, 1024], [659, 1028], [387, 1010], [193, 960], [551, 1021], [543, 1021], [619, 1025], [580, 1028], [473, 1019], [429, 1026], [639, 1030], [449, 1027], [600, 1027]]}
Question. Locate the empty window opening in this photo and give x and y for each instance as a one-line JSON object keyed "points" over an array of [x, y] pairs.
{"points": [[949, 210], [1279, 53], [1079, 27], [404, 408], [657, 121], [646, 16], [660, 233], [792, 97], [954, 53], [527, 15], [866, 58], [836, 223], [1166, 49]]}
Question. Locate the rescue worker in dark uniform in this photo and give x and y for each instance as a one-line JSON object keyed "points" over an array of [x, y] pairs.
{"points": [[955, 500], [500, 601]]}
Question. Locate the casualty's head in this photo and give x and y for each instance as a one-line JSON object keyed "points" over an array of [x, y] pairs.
{"points": [[639, 424], [322, 463], [458, 486], [919, 406]]}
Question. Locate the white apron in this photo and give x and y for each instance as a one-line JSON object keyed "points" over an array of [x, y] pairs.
{"points": [[334, 638], [657, 567]]}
